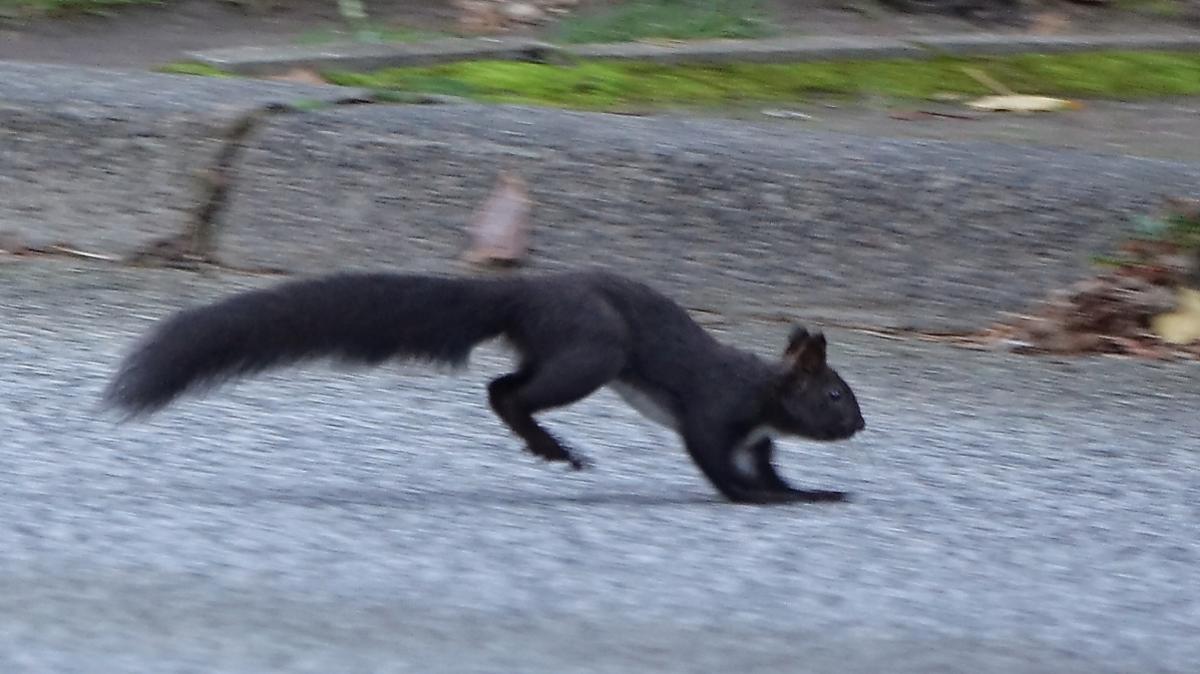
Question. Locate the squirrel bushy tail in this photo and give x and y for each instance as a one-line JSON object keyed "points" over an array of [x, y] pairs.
{"points": [[362, 318]]}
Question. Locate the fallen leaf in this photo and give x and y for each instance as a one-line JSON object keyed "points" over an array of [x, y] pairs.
{"points": [[500, 226], [1181, 326], [300, 76], [1049, 23], [1022, 103], [787, 114], [947, 97]]}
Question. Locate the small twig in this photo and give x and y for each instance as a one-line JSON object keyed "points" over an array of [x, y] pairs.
{"points": [[911, 115], [80, 253], [987, 81], [883, 334], [951, 115]]}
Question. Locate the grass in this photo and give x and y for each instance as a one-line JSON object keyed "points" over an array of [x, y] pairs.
{"points": [[1161, 8], [1174, 231], [1178, 226], [18, 8], [600, 85], [666, 19]]}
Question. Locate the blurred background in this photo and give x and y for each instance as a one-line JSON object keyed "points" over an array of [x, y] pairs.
{"points": [[989, 206]]}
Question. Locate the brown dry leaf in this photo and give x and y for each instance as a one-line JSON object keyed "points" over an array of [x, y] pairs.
{"points": [[300, 76], [480, 17], [1184, 207], [1049, 23], [1149, 247], [1141, 348], [1181, 326], [1072, 342], [500, 227], [1105, 314]]}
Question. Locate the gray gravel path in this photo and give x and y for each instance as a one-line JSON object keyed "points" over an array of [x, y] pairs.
{"points": [[1012, 515]]}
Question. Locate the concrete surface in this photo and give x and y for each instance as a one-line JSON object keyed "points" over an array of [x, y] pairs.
{"points": [[144, 35], [276, 59], [766, 50], [267, 60], [900, 231], [797, 219], [1010, 515], [978, 44], [107, 161]]}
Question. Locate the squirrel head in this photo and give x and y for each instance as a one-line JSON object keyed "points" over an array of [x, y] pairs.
{"points": [[809, 398]]}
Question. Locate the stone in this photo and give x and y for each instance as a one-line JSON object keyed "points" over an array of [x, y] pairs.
{"points": [[523, 12]]}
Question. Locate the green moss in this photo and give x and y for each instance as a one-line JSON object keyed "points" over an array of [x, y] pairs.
{"points": [[1108, 261], [614, 85], [1163, 8], [668, 19], [1104, 74], [309, 104], [401, 80], [192, 68]]}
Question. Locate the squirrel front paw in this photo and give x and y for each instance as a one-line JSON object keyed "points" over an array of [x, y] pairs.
{"points": [[553, 450], [790, 495]]}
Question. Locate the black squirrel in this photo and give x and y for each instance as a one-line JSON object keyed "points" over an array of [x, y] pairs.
{"points": [[573, 332]]}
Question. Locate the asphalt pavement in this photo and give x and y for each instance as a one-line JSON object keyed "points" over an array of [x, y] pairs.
{"points": [[1010, 514]]}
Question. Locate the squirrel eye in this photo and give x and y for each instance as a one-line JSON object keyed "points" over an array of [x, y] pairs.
{"points": [[835, 394]]}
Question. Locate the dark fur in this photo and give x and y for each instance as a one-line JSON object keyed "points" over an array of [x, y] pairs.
{"points": [[574, 333]]}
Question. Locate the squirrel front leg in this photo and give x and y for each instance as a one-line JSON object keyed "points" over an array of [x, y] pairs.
{"points": [[765, 476], [713, 448]]}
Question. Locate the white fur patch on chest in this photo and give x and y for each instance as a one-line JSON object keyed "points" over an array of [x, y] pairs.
{"points": [[743, 461], [645, 404]]}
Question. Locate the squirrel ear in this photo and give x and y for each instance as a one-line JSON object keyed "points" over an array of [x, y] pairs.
{"points": [[795, 340], [806, 350]]}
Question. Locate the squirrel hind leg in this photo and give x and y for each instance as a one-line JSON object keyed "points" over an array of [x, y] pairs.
{"points": [[505, 401], [556, 381]]}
